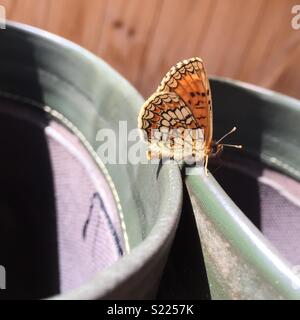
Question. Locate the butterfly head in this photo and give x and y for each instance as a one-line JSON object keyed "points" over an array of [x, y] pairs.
{"points": [[217, 147]]}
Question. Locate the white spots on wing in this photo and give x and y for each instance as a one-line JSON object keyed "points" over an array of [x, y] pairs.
{"points": [[189, 120], [164, 129], [148, 114], [172, 83], [157, 101], [146, 124], [165, 123], [177, 76], [179, 114], [182, 70], [182, 103], [185, 112], [172, 114], [166, 116]]}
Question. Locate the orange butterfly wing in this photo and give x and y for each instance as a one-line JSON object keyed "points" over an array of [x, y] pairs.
{"points": [[188, 79], [166, 114]]}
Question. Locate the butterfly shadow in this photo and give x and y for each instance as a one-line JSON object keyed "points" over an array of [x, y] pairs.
{"points": [[185, 276]]}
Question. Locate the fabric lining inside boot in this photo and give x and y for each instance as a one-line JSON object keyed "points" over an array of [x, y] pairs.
{"points": [[270, 199], [59, 222]]}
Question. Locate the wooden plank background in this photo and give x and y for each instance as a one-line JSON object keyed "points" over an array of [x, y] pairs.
{"points": [[250, 40]]}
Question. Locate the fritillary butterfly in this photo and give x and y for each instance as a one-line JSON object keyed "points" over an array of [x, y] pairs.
{"points": [[177, 118]]}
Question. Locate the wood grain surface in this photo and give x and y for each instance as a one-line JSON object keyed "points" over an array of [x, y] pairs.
{"points": [[249, 40]]}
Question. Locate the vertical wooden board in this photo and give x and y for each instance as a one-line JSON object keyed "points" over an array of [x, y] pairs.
{"points": [[230, 31], [268, 29], [33, 12], [127, 30], [180, 25], [248, 40], [211, 47], [77, 20], [287, 77], [283, 54], [8, 5]]}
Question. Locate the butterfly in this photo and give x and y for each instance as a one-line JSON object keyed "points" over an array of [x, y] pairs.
{"points": [[177, 119]]}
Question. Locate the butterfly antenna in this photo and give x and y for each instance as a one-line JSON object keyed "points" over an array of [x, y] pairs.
{"points": [[238, 146], [227, 134]]}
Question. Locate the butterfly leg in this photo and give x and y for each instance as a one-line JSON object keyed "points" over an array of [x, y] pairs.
{"points": [[205, 165], [149, 155], [154, 155]]}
